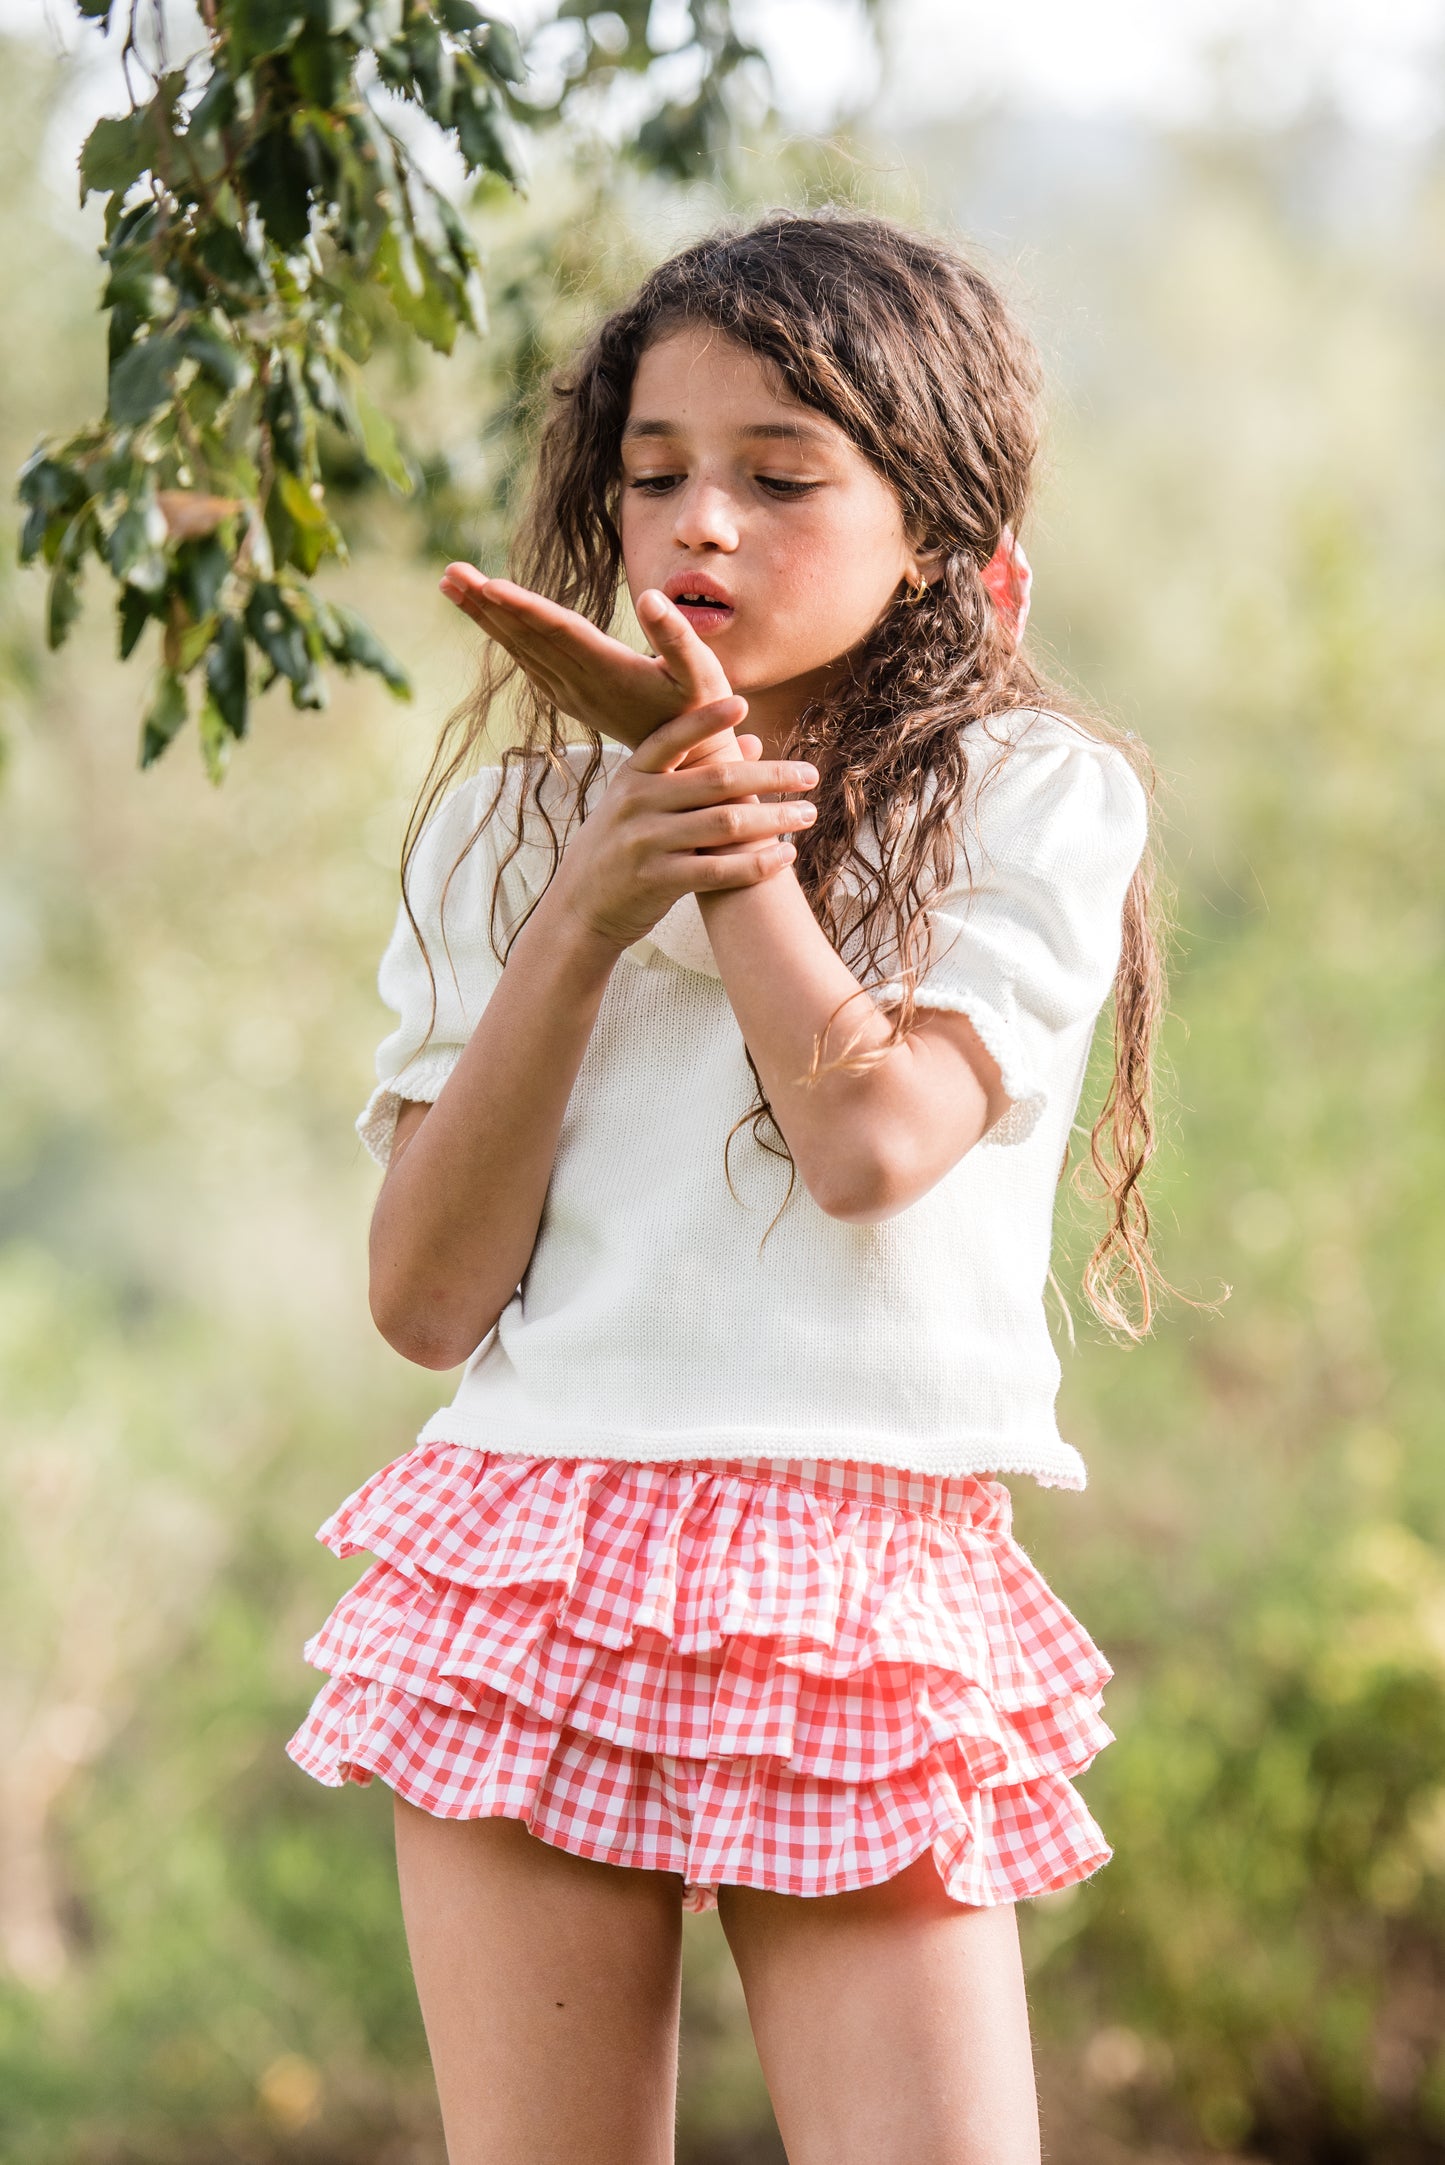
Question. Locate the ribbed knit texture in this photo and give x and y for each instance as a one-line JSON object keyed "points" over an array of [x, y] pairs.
{"points": [[650, 1325]]}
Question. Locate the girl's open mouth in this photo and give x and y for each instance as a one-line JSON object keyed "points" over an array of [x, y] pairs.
{"points": [[704, 601], [702, 614]]}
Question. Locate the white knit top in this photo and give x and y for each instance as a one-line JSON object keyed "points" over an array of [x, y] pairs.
{"points": [[649, 1325]]}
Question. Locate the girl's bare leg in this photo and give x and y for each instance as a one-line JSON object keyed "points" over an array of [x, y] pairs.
{"points": [[890, 2021], [549, 1987]]}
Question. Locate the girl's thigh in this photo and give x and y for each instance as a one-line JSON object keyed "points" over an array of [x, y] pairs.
{"points": [[549, 1987], [890, 2021]]}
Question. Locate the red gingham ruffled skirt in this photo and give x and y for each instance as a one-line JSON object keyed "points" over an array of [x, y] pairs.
{"points": [[795, 1674]]}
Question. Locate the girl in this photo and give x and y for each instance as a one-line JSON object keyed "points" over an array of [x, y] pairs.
{"points": [[722, 1123]]}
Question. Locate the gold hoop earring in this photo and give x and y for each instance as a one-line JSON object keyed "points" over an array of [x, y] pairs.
{"points": [[913, 595]]}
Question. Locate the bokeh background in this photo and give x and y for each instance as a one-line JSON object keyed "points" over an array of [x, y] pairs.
{"points": [[1225, 224]]}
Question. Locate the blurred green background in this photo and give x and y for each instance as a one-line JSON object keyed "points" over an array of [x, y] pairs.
{"points": [[1239, 552]]}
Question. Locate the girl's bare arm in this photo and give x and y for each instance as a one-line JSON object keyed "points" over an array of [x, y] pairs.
{"points": [[868, 1143], [457, 1217]]}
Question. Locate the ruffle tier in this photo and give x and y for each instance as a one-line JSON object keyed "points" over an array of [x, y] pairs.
{"points": [[797, 1675]]}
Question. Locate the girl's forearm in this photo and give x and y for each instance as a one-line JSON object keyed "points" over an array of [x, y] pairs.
{"points": [[457, 1217], [864, 1142]]}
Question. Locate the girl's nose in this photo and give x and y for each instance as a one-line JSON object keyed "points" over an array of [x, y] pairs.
{"points": [[706, 518]]}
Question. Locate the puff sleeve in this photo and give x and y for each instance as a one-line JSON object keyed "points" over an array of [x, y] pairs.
{"points": [[1026, 939], [412, 1062]]}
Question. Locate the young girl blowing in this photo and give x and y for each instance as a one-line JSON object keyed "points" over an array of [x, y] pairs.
{"points": [[722, 1124]]}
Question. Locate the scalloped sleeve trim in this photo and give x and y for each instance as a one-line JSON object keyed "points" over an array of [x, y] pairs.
{"points": [[999, 1037], [422, 1079]]}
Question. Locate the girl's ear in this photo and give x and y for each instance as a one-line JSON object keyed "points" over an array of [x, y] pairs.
{"points": [[922, 561], [922, 566]]}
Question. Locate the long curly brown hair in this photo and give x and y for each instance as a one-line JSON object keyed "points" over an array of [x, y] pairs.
{"points": [[912, 351]]}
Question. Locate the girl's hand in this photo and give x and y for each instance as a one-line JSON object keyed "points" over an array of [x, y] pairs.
{"points": [[585, 672], [668, 826]]}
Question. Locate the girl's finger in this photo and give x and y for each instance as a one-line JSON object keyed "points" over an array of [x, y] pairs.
{"points": [[686, 788], [661, 751], [494, 622], [690, 660], [739, 868], [733, 827], [750, 746], [599, 676], [509, 628], [540, 618], [537, 663], [533, 661]]}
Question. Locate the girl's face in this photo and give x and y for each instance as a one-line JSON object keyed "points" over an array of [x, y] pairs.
{"points": [[757, 516]]}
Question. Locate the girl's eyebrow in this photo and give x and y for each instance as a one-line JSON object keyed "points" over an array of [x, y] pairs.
{"points": [[792, 432], [772, 431]]}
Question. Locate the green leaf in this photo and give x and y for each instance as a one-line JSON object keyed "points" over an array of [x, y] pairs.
{"points": [[353, 641], [321, 64], [134, 611], [131, 230], [426, 307], [117, 151], [322, 151], [232, 471], [32, 533], [314, 535], [274, 171], [216, 107], [220, 358], [226, 674], [47, 482], [215, 740], [227, 257], [51, 489], [279, 633], [136, 285], [141, 380], [135, 549], [503, 53], [379, 440], [278, 624], [485, 136], [463, 250], [62, 604], [257, 27], [326, 392], [287, 411], [186, 646], [433, 69], [201, 569], [166, 718]]}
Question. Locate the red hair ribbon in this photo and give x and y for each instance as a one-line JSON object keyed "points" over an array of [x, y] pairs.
{"points": [[1008, 578]]}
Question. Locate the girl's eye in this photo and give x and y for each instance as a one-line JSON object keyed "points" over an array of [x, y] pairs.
{"points": [[776, 484]]}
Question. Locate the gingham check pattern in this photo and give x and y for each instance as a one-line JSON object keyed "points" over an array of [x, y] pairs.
{"points": [[794, 1674]]}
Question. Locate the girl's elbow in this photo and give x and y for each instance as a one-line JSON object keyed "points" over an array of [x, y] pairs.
{"points": [[867, 1188], [424, 1339], [422, 1349], [860, 1192]]}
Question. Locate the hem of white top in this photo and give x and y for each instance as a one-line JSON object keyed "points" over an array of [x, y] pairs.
{"points": [[1026, 1094], [1052, 1463], [376, 1122]]}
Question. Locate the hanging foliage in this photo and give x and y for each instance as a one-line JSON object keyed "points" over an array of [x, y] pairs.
{"points": [[256, 196]]}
